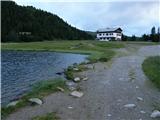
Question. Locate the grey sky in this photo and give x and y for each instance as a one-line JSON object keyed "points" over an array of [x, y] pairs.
{"points": [[133, 17]]}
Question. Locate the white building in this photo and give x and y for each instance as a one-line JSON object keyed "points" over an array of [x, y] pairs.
{"points": [[108, 34]]}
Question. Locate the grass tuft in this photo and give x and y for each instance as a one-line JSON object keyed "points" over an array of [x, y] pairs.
{"points": [[49, 116], [69, 72]]}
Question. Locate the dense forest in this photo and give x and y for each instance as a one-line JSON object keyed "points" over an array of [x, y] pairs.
{"points": [[26, 23]]}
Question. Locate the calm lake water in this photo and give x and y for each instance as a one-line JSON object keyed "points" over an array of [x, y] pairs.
{"points": [[21, 69]]}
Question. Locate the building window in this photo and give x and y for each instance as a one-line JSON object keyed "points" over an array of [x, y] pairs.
{"points": [[99, 34], [106, 33]]}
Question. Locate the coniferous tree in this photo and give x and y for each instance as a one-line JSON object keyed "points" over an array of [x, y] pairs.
{"points": [[158, 31], [153, 31]]}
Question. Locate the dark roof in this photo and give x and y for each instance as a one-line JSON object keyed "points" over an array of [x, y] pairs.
{"points": [[110, 30]]}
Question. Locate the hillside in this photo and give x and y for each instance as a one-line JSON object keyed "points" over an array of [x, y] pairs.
{"points": [[20, 23]]}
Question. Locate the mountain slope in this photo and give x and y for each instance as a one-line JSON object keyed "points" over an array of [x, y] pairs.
{"points": [[20, 23]]}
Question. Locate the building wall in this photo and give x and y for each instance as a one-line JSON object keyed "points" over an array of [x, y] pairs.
{"points": [[114, 35]]}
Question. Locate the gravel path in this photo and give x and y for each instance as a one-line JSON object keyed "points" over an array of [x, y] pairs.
{"points": [[108, 89]]}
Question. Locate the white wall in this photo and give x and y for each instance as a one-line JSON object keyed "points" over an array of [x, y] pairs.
{"points": [[104, 35]]}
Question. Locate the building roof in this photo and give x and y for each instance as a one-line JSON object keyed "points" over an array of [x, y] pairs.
{"points": [[109, 30]]}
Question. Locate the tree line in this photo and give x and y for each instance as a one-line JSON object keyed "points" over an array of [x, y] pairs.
{"points": [[26, 24], [154, 36]]}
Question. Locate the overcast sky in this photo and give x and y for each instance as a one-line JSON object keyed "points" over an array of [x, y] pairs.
{"points": [[134, 17]]}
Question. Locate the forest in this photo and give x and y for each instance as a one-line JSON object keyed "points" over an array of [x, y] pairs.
{"points": [[28, 24]]}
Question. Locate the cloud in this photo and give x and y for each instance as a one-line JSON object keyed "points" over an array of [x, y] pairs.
{"points": [[134, 17]]}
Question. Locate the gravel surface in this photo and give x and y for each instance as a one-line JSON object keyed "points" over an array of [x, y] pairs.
{"points": [[107, 92]]}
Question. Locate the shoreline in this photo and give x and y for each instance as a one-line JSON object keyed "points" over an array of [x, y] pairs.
{"points": [[80, 59], [22, 101]]}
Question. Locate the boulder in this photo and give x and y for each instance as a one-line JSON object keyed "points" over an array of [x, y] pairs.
{"points": [[61, 89], [76, 94], [85, 78], [75, 69], [71, 85], [129, 105], [143, 112], [36, 101], [77, 79], [70, 107], [13, 103], [139, 99], [155, 114], [72, 88]]}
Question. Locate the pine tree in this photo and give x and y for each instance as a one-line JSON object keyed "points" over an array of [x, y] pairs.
{"points": [[153, 31], [158, 31]]}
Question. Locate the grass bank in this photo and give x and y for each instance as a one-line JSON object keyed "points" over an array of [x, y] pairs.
{"points": [[39, 90], [98, 51], [49, 116], [151, 67]]}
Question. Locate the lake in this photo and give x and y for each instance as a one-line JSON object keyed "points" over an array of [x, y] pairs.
{"points": [[21, 69]]}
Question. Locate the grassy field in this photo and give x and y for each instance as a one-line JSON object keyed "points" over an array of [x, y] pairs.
{"points": [[99, 51], [39, 90], [151, 67]]}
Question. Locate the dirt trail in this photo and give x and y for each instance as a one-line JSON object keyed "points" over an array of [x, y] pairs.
{"points": [[108, 89]]}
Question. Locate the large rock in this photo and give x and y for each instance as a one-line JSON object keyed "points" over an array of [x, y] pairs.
{"points": [[139, 99], [71, 85], [36, 101], [130, 106], [143, 112], [60, 89], [76, 94], [85, 78], [155, 114], [14, 103], [72, 88], [75, 69], [77, 79]]}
